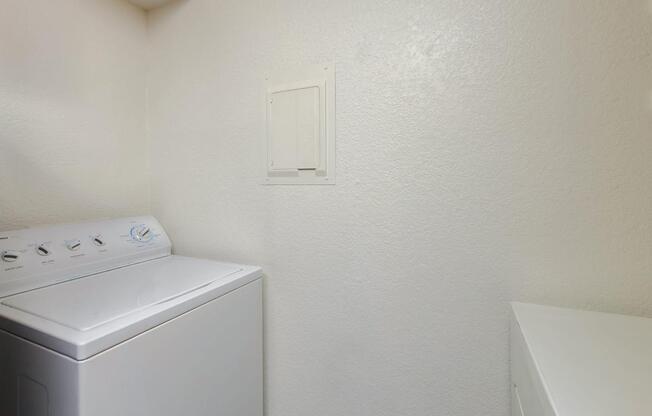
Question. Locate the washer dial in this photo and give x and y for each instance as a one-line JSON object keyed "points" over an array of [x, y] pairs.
{"points": [[42, 250], [142, 233], [73, 245], [10, 256]]}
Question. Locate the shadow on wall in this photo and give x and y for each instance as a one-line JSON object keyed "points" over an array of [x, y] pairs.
{"points": [[28, 186], [51, 171]]}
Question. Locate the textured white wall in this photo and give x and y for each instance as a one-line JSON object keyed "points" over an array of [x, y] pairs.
{"points": [[487, 151], [72, 111]]}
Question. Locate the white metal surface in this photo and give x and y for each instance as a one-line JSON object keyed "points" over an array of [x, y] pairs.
{"points": [[85, 304], [83, 317], [576, 363], [296, 127], [99, 319]]}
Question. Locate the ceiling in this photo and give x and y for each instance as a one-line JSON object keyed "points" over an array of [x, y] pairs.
{"points": [[149, 4]]}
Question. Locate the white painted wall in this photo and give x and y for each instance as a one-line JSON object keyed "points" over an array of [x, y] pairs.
{"points": [[487, 151], [72, 111]]}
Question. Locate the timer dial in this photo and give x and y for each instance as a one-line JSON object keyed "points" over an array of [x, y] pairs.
{"points": [[142, 233]]}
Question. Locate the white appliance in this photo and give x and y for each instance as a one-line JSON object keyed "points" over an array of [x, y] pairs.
{"points": [[99, 319], [576, 363]]}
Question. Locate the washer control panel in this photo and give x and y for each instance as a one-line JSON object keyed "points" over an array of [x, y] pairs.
{"points": [[40, 256]]}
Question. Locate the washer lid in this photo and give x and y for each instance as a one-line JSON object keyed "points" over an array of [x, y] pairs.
{"points": [[82, 317], [87, 303]]}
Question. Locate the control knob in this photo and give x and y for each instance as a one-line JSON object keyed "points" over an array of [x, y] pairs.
{"points": [[42, 250], [142, 233], [9, 256], [73, 245]]}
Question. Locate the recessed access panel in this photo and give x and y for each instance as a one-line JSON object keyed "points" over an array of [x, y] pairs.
{"points": [[295, 128], [299, 144]]}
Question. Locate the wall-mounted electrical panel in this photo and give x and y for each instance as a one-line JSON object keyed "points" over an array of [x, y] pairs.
{"points": [[299, 142]]}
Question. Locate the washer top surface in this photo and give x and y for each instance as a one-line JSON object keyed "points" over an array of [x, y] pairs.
{"points": [[83, 317], [86, 303], [591, 363]]}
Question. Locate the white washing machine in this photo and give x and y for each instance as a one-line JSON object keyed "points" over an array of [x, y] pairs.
{"points": [[99, 319]]}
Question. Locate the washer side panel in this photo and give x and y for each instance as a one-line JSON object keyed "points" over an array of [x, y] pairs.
{"points": [[205, 362], [35, 381]]}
